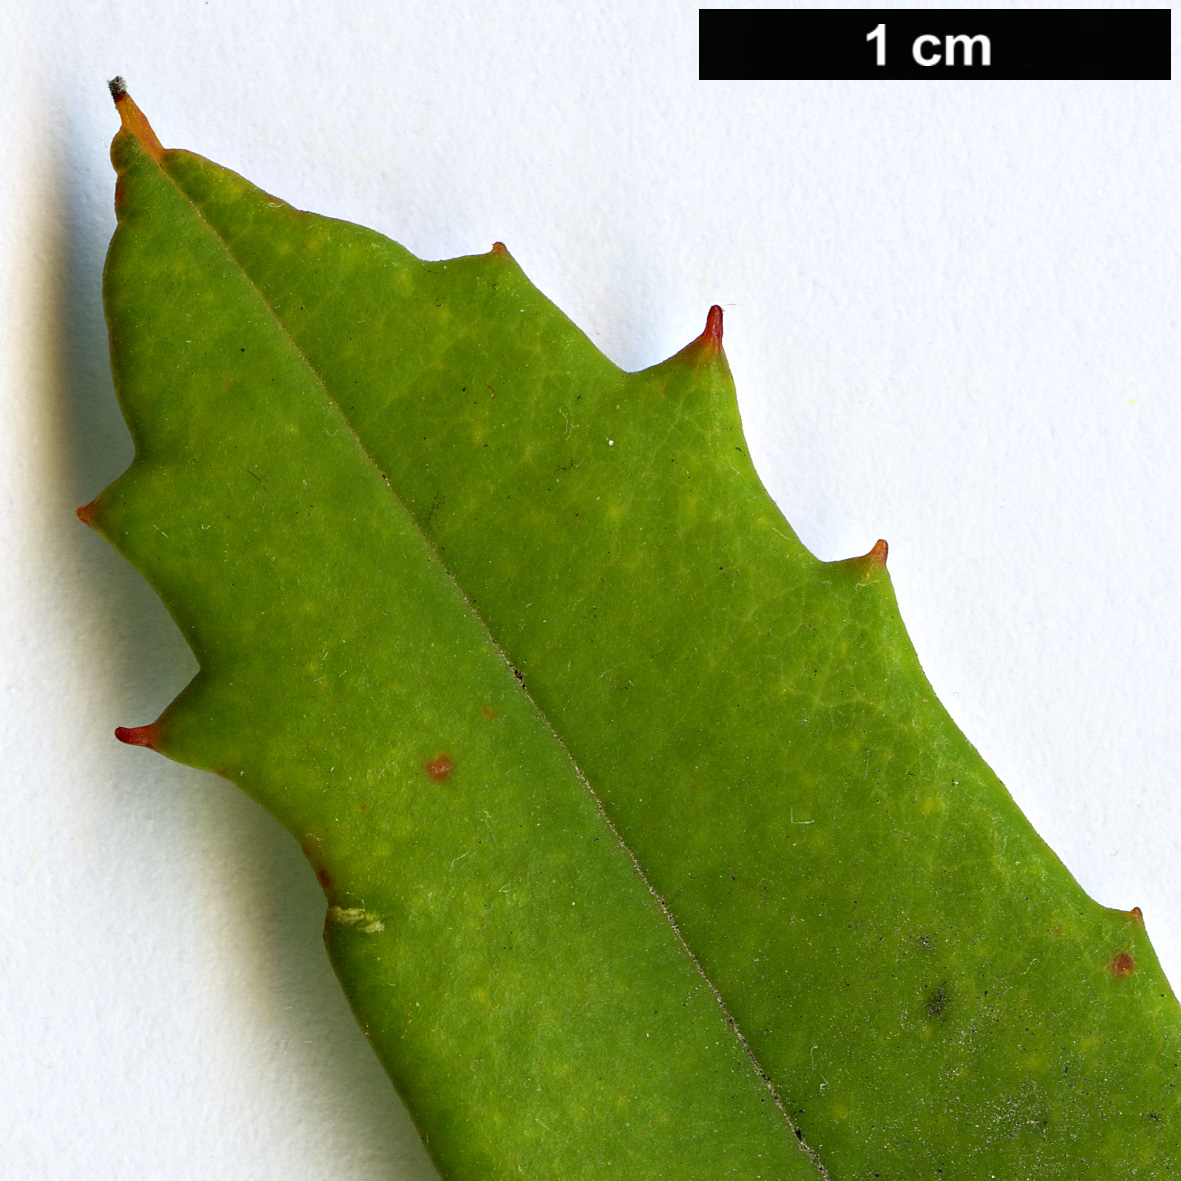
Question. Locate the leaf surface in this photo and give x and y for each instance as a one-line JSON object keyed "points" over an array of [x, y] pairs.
{"points": [[454, 581]]}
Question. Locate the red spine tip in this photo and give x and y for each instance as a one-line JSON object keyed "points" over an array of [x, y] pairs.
{"points": [[707, 347], [499, 250], [85, 513], [1138, 913], [138, 735], [712, 336], [870, 566]]}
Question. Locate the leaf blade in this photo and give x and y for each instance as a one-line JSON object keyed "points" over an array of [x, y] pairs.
{"points": [[510, 903], [980, 1096]]}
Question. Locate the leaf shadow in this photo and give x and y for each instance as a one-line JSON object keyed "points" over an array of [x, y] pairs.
{"points": [[260, 896]]}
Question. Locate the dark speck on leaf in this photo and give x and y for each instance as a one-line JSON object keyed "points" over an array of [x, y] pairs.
{"points": [[937, 1001]]}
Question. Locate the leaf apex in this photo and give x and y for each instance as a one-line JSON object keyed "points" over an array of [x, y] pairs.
{"points": [[134, 121], [87, 512]]}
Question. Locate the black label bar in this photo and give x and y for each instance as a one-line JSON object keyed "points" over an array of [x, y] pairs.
{"points": [[1012, 44]]}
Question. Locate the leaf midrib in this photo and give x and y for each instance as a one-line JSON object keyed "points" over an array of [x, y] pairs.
{"points": [[544, 719]]}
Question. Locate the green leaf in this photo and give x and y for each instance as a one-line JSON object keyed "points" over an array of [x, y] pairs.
{"points": [[520, 650]]}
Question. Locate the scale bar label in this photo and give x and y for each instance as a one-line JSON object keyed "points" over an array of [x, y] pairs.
{"points": [[1007, 44]]}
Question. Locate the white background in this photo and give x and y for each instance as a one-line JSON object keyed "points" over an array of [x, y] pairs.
{"points": [[952, 313]]}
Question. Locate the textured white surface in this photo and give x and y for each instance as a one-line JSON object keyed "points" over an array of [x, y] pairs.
{"points": [[952, 311]]}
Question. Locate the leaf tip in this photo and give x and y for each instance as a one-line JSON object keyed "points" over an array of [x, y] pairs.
{"points": [[499, 250], [879, 553], [133, 120], [87, 512], [138, 736]]}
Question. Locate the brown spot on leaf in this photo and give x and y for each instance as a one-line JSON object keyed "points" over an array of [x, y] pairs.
{"points": [[489, 712], [1123, 964], [311, 850], [439, 767]]}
